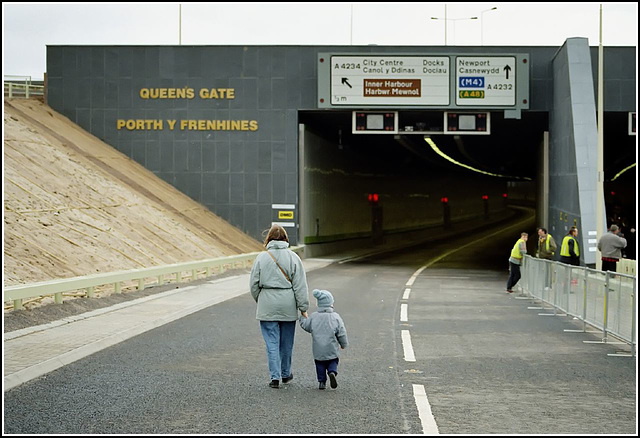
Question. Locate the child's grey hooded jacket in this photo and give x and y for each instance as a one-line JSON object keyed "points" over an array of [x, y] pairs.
{"points": [[326, 328], [279, 300]]}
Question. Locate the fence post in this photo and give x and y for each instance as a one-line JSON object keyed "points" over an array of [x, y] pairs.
{"points": [[118, 287], [194, 275], [10, 89], [27, 90], [17, 304], [634, 314], [90, 292], [606, 296], [140, 283], [584, 302]]}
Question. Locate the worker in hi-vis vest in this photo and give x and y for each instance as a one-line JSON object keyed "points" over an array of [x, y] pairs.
{"points": [[546, 245], [570, 250], [517, 253]]}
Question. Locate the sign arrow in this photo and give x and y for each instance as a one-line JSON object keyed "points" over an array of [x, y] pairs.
{"points": [[506, 68], [346, 81]]}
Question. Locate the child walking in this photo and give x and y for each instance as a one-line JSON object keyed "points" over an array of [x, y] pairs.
{"points": [[328, 333]]}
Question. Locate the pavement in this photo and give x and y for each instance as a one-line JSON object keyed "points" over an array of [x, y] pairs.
{"points": [[34, 351], [435, 346]]}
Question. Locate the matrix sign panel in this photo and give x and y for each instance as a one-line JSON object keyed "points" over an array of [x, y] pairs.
{"points": [[389, 80], [485, 81]]}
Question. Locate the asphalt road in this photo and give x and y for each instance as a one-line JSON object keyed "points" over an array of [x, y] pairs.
{"points": [[488, 364]]}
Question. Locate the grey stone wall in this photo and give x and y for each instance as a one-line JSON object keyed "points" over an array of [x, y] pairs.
{"points": [[237, 174]]}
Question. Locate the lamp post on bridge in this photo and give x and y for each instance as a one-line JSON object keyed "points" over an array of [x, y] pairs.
{"points": [[454, 23], [481, 23]]}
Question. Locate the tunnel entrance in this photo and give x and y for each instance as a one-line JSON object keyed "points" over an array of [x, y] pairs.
{"points": [[423, 182]]}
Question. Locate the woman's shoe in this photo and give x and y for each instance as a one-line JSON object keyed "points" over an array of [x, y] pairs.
{"points": [[322, 385], [274, 384], [287, 379]]}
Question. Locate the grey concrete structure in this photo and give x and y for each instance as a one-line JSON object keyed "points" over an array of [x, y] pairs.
{"points": [[243, 166], [573, 146]]}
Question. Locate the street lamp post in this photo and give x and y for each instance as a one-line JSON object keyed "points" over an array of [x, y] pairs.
{"points": [[454, 23], [481, 23]]}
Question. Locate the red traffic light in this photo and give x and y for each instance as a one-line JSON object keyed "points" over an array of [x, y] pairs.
{"points": [[485, 197], [444, 200], [373, 198], [504, 195]]}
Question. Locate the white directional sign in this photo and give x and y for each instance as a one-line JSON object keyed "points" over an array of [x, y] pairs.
{"points": [[390, 80], [485, 81]]}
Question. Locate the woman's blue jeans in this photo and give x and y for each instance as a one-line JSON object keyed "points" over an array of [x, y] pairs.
{"points": [[278, 335]]}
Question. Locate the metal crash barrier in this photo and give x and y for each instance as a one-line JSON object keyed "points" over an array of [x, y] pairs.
{"points": [[604, 300], [18, 293]]}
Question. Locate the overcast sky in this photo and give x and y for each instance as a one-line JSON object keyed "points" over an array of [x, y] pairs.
{"points": [[28, 28]]}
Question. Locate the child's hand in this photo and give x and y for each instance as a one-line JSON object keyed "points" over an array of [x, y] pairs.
{"points": [[341, 348], [304, 314]]}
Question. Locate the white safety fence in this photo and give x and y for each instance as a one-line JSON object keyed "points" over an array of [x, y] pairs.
{"points": [[159, 274], [21, 86], [604, 300]]}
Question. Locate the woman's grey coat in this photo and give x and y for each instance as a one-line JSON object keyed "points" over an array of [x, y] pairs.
{"points": [[328, 332], [277, 298]]}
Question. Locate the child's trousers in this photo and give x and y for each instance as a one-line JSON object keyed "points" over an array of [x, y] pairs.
{"points": [[326, 366]]}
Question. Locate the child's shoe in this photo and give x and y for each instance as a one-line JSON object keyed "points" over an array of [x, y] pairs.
{"points": [[334, 382], [322, 385]]}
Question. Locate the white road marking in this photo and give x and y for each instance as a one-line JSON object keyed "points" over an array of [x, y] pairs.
{"points": [[403, 312], [407, 291], [411, 280], [429, 426], [407, 347]]}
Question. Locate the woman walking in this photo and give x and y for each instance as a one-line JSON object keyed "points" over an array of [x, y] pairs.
{"points": [[278, 284]]}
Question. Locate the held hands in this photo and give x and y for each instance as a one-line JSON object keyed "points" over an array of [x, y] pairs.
{"points": [[304, 314]]}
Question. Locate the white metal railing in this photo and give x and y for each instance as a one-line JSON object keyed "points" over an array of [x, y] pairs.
{"points": [[21, 86], [626, 266], [604, 300], [88, 283]]}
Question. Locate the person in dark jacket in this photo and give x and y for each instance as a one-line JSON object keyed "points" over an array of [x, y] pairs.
{"points": [[328, 333], [278, 284], [570, 251]]}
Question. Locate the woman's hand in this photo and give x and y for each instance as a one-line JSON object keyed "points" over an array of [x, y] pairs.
{"points": [[304, 314]]}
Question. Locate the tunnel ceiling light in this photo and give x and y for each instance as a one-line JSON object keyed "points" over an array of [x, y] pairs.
{"points": [[448, 158], [622, 171]]}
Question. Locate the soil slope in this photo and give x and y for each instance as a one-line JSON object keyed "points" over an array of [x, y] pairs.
{"points": [[75, 206]]}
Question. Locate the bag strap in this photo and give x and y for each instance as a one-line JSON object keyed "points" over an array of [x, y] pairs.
{"points": [[282, 270]]}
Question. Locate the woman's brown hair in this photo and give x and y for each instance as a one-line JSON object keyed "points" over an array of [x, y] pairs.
{"points": [[276, 232]]}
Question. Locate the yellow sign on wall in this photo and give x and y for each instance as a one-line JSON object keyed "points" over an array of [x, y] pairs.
{"points": [[285, 215]]}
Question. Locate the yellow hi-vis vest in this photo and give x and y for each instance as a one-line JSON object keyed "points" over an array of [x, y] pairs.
{"points": [[565, 246], [515, 252], [547, 242]]}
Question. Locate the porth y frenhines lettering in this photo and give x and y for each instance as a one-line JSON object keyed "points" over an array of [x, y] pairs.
{"points": [[188, 125]]}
